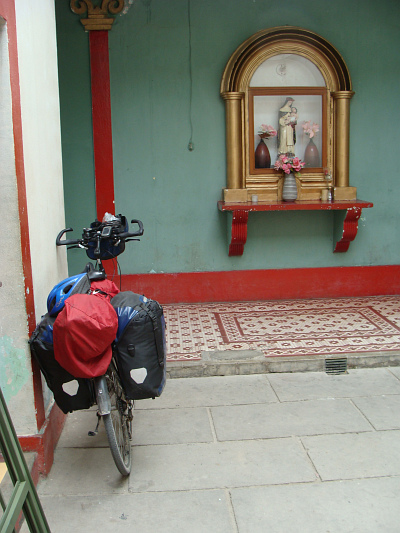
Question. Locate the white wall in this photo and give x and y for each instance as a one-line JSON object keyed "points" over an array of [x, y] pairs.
{"points": [[15, 365], [37, 57], [41, 138]]}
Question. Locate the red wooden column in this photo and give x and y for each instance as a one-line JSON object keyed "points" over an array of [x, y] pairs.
{"points": [[101, 117], [98, 23]]}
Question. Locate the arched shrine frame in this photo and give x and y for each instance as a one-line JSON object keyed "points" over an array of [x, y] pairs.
{"points": [[242, 180]]}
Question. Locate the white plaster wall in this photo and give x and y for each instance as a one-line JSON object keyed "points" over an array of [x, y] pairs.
{"points": [[15, 362], [41, 137], [37, 58]]}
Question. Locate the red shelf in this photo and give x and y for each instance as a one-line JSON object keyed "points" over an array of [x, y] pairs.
{"points": [[240, 214]]}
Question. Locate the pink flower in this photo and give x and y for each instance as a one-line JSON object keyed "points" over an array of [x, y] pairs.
{"points": [[267, 131], [310, 129], [288, 164], [297, 164], [280, 161]]}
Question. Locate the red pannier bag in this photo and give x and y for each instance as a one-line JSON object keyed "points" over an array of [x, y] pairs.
{"points": [[83, 333], [70, 393]]}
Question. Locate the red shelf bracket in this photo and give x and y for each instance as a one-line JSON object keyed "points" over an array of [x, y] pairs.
{"points": [[347, 228], [239, 232], [350, 228]]}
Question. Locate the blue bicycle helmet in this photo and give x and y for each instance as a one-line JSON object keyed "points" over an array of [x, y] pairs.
{"points": [[67, 287]]}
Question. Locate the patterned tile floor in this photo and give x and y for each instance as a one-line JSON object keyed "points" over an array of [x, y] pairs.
{"points": [[284, 327]]}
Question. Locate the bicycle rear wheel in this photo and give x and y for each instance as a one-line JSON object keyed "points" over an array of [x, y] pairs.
{"points": [[118, 425]]}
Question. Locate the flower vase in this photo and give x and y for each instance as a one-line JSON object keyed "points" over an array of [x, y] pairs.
{"points": [[262, 155], [311, 155], [289, 191]]}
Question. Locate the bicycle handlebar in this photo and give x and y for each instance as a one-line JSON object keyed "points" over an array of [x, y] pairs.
{"points": [[138, 233], [67, 242], [99, 232]]}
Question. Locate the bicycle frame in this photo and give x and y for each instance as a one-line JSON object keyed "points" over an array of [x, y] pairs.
{"points": [[112, 405], [102, 397]]}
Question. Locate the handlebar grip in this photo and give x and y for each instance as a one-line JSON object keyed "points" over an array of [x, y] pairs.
{"points": [[67, 242], [140, 224], [137, 233]]}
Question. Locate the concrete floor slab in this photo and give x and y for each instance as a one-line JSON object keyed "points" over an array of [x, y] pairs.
{"points": [[175, 512], [81, 471], [353, 456], [210, 391], [333, 481], [360, 506], [77, 426], [395, 370], [285, 419], [219, 465], [313, 385], [383, 412], [171, 426]]}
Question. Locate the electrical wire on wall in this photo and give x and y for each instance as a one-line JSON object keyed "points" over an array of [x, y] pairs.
{"points": [[190, 144]]}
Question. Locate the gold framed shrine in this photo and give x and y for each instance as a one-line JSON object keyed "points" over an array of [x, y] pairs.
{"points": [[272, 69]]}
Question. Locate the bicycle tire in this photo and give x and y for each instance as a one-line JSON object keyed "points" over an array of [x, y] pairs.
{"points": [[116, 426]]}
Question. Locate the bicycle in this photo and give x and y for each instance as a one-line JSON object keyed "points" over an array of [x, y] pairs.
{"points": [[106, 240]]}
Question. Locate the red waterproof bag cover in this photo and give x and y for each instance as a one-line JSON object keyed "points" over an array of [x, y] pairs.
{"points": [[83, 333]]}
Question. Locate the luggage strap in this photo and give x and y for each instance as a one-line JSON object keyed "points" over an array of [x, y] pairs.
{"points": [[158, 334]]}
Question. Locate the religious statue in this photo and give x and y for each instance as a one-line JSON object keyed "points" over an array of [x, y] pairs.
{"points": [[287, 128]]}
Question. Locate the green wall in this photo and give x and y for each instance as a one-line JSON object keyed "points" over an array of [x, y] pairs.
{"points": [[174, 191]]}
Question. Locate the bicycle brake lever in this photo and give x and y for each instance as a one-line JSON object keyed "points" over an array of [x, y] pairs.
{"points": [[97, 249]]}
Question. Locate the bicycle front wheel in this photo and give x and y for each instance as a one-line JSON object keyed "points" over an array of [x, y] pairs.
{"points": [[117, 425]]}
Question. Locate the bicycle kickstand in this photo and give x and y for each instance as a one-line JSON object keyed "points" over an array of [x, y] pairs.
{"points": [[94, 433]]}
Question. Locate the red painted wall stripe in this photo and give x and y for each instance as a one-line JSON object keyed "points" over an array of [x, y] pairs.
{"points": [[7, 11], [44, 443], [101, 116], [251, 285]]}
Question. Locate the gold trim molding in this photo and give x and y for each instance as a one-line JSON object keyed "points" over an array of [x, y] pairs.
{"points": [[235, 170], [234, 89], [98, 15], [285, 39]]}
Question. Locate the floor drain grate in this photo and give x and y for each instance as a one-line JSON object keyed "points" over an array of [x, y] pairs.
{"points": [[336, 366]]}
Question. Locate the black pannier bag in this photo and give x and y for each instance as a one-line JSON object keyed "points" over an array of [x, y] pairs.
{"points": [[140, 346], [70, 393]]}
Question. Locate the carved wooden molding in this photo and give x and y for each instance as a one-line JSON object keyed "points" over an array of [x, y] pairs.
{"points": [[242, 178], [98, 16]]}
